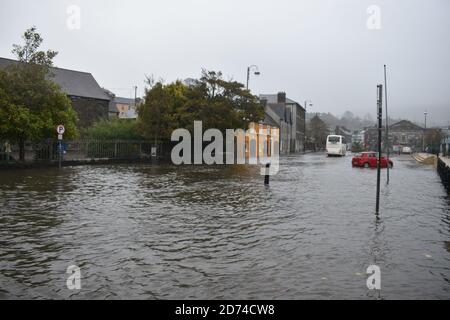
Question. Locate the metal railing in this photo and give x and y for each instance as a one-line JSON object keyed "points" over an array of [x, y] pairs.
{"points": [[84, 150], [444, 172]]}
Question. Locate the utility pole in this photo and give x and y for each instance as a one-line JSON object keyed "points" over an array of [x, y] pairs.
{"points": [[380, 126], [135, 96], [387, 123]]}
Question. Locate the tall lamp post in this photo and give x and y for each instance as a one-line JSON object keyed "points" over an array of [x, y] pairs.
{"points": [[387, 123], [425, 130], [255, 72], [308, 103]]}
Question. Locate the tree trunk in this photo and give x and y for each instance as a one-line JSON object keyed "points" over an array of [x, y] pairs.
{"points": [[21, 149]]}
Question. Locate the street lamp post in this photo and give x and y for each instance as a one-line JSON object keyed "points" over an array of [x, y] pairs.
{"points": [[387, 122], [425, 129], [256, 72]]}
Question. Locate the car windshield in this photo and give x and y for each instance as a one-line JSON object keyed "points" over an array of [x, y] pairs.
{"points": [[334, 139]]}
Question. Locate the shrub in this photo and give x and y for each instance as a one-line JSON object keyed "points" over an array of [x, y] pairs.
{"points": [[115, 129]]}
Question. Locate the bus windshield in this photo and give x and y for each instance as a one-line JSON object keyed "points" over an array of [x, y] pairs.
{"points": [[334, 139]]}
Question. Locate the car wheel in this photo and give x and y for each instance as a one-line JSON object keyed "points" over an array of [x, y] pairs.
{"points": [[366, 165]]}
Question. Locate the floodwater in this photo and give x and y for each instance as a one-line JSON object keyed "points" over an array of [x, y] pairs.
{"points": [[202, 232]]}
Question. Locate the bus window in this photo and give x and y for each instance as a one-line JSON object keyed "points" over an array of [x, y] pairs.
{"points": [[334, 139]]}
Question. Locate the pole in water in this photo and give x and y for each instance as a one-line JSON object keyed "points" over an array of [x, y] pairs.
{"points": [[267, 176], [380, 126], [387, 123], [60, 153]]}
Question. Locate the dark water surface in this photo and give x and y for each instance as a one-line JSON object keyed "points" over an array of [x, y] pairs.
{"points": [[159, 232]]}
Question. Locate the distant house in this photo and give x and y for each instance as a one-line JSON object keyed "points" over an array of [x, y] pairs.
{"points": [[343, 131], [358, 137], [289, 117], [89, 100], [401, 134], [122, 108], [445, 143], [126, 108]]}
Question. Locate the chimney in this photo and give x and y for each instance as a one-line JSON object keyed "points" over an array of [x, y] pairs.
{"points": [[281, 97], [263, 102]]}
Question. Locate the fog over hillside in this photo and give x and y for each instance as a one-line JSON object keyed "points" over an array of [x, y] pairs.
{"points": [[354, 122]]}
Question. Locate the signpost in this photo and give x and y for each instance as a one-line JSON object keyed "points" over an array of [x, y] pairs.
{"points": [[60, 130]]}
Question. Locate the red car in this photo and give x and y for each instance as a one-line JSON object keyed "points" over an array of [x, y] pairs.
{"points": [[370, 160]]}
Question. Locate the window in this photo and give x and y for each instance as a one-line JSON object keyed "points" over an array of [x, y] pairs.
{"points": [[403, 138], [334, 139]]}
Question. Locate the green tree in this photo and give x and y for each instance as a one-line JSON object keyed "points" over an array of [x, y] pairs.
{"points": [[217, 103], [162, 110], [317, 131], [31, 106], [433, 139], [29, 52]]}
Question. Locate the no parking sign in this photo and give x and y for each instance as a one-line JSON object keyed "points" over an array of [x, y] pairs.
{"points": [[60, 130]]}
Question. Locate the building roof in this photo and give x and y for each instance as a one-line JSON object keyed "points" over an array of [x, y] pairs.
{"points": [[281, 111], [273, 98], [405, 125], [71, 82], [130, 114], [127, 101]]}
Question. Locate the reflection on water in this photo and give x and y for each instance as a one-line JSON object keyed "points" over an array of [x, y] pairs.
{"points": [[200, 232]]}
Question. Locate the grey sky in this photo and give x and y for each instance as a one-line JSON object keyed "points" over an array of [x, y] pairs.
{"points": [[320, 49]]}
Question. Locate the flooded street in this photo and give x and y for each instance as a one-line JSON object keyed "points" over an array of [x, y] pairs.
{"points": [[201, 232]]}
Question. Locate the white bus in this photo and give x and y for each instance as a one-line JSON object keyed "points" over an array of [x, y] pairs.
{"points": [[336, 146]]}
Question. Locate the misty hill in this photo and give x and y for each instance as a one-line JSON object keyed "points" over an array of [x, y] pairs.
{"points": [[347, 120]]}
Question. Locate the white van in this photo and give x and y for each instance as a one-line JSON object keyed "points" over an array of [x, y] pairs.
{"points": [[336, 146], [406, 150]]}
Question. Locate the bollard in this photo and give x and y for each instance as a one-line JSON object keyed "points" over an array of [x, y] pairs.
{"points": [[448, 179], [267, 176]]}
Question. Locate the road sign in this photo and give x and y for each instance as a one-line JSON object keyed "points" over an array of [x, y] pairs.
{"points": [[60, 136], [60, 129]]}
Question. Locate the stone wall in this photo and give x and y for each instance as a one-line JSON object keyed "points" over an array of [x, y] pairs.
{"points": [[89, 110]]}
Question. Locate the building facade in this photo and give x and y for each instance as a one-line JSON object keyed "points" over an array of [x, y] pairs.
{"points": [[401, 134], [289, 117], [89, 100], [122, 108]]}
